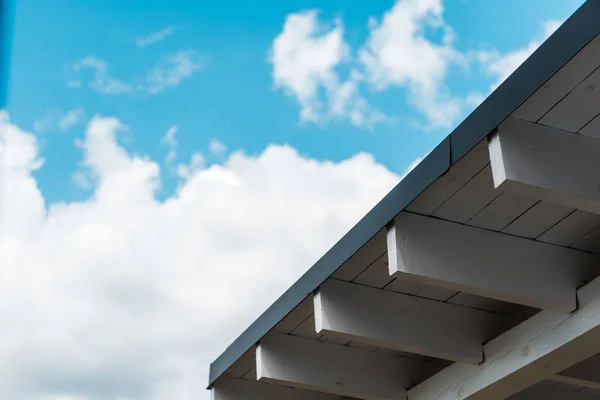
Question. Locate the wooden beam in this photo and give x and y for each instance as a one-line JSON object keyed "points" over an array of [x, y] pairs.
{"points": [[547, 164], [548, 392], [238, 389], [336, 369], [585, 374], [407, 323], [486, 263], [544, 345]]}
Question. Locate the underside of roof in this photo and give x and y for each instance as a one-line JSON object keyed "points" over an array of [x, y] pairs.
{"points": [[477, 277]]}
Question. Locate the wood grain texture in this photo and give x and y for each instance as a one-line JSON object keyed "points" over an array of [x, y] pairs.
{"points": [[332, 368], [561, 83], [537, 349], [238, 389], [406, 323], [578, 108], [486, 263], [547, 392], [449, 183], [547, 164]]}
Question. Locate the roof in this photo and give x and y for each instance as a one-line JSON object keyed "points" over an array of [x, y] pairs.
{"points": [[542, 82]]}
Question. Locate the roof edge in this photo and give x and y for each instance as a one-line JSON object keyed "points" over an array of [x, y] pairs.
{"points": [[555, 52]]}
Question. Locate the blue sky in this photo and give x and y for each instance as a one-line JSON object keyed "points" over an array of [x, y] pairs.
{"points": [[168, 170], [231, 96]]}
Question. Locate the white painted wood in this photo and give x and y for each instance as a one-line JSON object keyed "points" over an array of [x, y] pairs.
{"points": [[238, 389], [332, 368], [546, 392], [592, 129], [306, 329], [547, 163], [578, 108], [243, 364], [449, 183], [537, 220], [300, 313], [561, 83], [502, 211], [406, 286], [537, 349], [585, 374], [484, 303], [486, 263], [406, 323], [574, 227], [376, 275], [581, 383], [470, 199], [590, 242], [436, 293], [364, 257]]}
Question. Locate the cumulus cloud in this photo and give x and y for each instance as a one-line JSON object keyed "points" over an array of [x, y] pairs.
{"points": [[59, 120], [154, 37], [305, 57], [399, 53], [123, 296], [501, 65], [410, 47]]}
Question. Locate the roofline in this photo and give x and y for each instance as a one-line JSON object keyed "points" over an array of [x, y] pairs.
{"points": [[555, 52]]}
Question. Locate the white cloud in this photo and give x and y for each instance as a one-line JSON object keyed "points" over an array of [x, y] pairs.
{"points": [[304, 57], [125, 296], [100, 80], [216, 147], [170, 141], [170, 71], [500, 66], [58, 120], [71, 118], [154, 37], [399, 53]]}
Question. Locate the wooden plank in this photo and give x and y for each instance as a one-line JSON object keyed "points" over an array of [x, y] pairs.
{"points": [[436, 293], [296, 317], [590, 242], [449, 183], [238, 389], [561, 83], [547, 392], [486, 263], [376, 275], [243, 364], [364, 257], [578, 108], [307, 328], [537, 220], [406, 286], [592, 129], [547, 164], [401, 322], [470, 199], [485, 303], [332, 368], [502, 211], [574, 227], [537, 349], [586, 373]]}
